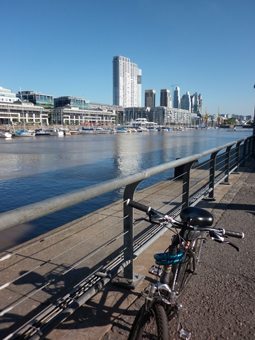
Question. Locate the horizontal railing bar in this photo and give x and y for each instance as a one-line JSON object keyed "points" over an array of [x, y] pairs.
{"points": [[48, 206]]}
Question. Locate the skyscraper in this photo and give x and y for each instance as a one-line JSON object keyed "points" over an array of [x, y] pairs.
{"points": [[196, 103], [176, 103], [126, 82], [186, 102], [165, 98], [150, 98]]}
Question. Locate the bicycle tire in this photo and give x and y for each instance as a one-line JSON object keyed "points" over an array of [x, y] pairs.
{"points": [[150, 324], [184, 273]]}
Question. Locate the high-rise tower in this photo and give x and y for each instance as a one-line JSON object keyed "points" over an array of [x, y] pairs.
{"points": [[127, 84], [186, 102], [176, 103], [165, 98], [196, 103], [150, 98]]}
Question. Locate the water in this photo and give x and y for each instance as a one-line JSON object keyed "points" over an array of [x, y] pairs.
{"points": [[36, 168]]}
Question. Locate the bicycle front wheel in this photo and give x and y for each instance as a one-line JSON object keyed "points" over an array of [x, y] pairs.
{"points": [[185, 270], [150, 324]]}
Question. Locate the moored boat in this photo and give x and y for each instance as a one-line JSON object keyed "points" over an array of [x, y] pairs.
{"points": [[41, 132], [5, 134], [24, 133], [121, 130], [84, 130], [55, 132]]}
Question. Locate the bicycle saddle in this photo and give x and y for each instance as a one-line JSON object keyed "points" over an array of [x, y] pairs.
{"points": [[196, 217]]}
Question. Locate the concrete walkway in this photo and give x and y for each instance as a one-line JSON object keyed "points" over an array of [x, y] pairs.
{"points": [[219, 302]]}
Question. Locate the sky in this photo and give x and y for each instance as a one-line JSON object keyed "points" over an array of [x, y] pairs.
{"points": [[66, 47]]}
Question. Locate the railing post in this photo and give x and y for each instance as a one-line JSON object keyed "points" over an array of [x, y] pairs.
{"points": [[185, 185], [250, 147], [253, 143], [227, 163], [212, 176], [245, 148], [237, 157], [127, 278]]}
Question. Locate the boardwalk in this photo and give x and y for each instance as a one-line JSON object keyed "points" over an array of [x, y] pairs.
{"points": [[115, 306], [220, 300]]}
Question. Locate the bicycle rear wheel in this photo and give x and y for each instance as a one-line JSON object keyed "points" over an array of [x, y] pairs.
{"points": [[150, 324]]}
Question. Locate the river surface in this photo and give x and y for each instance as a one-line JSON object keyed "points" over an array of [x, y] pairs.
{"points": [[36, 168]]}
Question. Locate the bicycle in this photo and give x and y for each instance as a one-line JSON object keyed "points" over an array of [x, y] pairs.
{"points": [[173, 268]]}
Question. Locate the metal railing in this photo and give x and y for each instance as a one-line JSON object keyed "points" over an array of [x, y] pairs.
{"points": [[195, 177]]}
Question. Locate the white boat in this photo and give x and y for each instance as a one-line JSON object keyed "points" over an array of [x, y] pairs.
{"points": [[5, 134], [101, 130], [54, 132], [66, 131], [143, 125], [24, 133], [142, 129]]}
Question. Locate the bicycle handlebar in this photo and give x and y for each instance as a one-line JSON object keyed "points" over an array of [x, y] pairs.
{"points": [[157, 217], [139, 206], [154, 215], [233, 234]]}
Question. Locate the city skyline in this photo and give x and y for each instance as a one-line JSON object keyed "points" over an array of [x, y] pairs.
{"points": [[64, 48]]}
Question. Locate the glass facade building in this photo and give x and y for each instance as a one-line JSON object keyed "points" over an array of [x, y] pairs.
{"points": [[186, 102], [150, 98], [36, 98], [70, 101], [196, 103], [165, 98], [176, 103]]}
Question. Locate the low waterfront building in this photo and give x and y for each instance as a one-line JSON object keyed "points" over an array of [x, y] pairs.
{"points": [[23, 113], [7, 96], [36, 98], [94, 114], [14, 111]]}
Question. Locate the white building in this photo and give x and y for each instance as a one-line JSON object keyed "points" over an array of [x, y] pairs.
{"points": [[7, 96], [94, 115], [14, 111], [127, 88]]}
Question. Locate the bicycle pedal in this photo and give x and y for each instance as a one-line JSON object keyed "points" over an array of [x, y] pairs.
{"points": [[155, 270], [184, 334]]}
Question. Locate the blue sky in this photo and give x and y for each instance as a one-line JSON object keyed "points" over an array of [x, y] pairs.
{"points": [[65, 47]]}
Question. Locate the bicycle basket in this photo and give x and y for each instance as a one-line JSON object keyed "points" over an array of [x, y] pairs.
{"points": [[163, 259]]}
